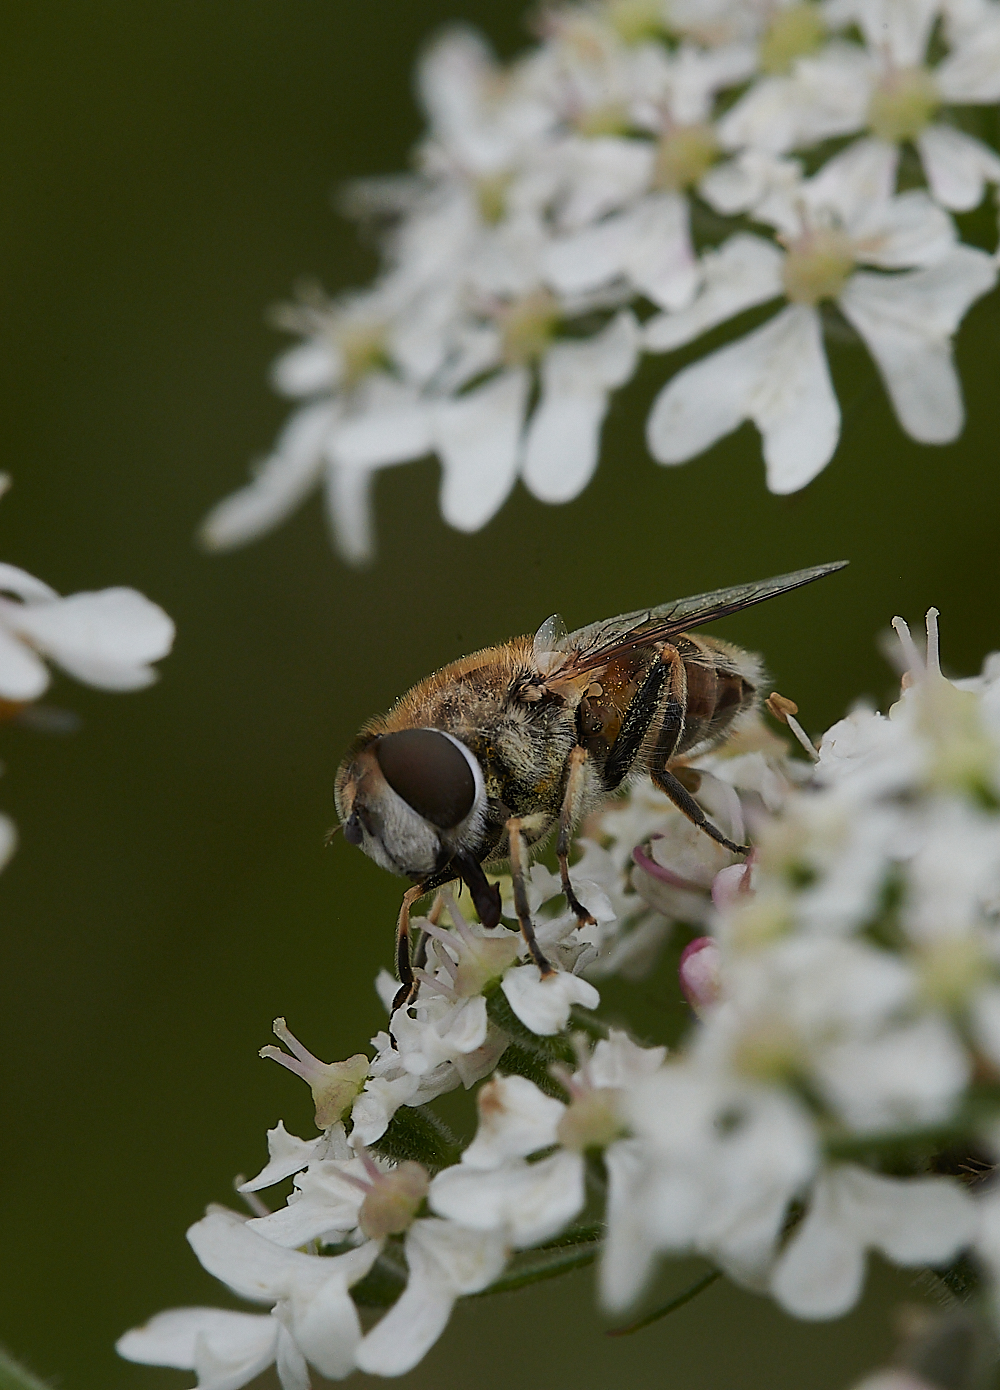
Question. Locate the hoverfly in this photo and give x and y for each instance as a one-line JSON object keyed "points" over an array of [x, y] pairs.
{"points": [[481, 760]]}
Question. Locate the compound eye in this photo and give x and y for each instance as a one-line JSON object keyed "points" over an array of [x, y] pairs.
{"points": [[430, 773]]}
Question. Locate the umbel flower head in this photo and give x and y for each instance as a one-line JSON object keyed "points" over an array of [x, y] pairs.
{"points": [[643, 174], [844, 985]]}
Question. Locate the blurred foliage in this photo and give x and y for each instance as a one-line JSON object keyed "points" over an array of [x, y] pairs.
{"points": [[166, 173]]}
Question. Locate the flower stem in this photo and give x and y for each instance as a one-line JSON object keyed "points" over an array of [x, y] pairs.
{"points": [[670, 1307]]}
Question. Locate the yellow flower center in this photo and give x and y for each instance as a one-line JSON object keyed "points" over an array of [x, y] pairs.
{"points": [[610, 119], [817, 265], [950, 968], [683, 155], [527, 326], [361, 347], [635, 20], [393, 1201], [793, 33], [491, 195], [903, 103], [591, 1120], [769, 1052]]}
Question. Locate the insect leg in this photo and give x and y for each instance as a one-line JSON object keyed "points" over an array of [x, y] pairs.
{"points": [[639, 716], [667, 740], [404, 967], [516, 852], [575, 764]]}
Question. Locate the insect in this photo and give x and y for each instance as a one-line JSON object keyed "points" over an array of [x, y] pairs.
{"points": [[480, 761]]}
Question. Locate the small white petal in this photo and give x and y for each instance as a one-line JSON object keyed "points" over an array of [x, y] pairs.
{"points": [[105, 639], [971, 72], [287, 1154], [477, 437], [290, 1364], [445, 1261], [8, 840], [905, 231], [744, 271], [349, 511], [627, 1258], [171, 1339], [323, 1318], [957, 166], [859, 178], [24, 585], [562, 443], [23, 676], [650, 244], [543, 1005], [913, 1221], [324, 1200], [907, 322], [515, 1119], [279, 483], [777, 377], [389, 423], [307, 369], [527, 1202]]}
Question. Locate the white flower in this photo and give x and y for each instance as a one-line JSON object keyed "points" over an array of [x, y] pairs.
{"points": [[712, 1168], [107, 639], [494, 1188], [310, 1294], [543, 1002], [912, 1221], [445, 1261], [886, 88], [777, 376], [225, 1349]]}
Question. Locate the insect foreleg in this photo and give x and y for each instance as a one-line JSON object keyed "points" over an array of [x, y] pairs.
{"points": [[516, 852], [404, 966], [575, 782]]}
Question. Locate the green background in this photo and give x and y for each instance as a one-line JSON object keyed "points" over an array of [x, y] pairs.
{"points": [[166, 173]]}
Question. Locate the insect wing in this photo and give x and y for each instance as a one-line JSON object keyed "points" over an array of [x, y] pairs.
{"points": [[593, 646]]}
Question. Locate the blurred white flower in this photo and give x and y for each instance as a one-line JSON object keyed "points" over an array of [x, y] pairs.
{"points": [[912, 1221], [107, 639], [777, 376], [225, 1349]]}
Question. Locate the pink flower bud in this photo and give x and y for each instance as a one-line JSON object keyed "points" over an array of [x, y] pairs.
{"points": [[699, 973], [730, 883]]}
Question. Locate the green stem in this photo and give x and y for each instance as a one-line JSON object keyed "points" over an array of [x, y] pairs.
{"points": [[14, 1376], [567, 1259], [670, 1307]]}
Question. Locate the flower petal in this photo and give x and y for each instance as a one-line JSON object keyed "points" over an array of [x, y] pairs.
{"points": [[957, 166], [287, 1154], [971, 72], [445, 1261], [170, 1339], [349, 511], [477, 437], [822, 1269], [562, 443], [543, 1004], [777, 377], [279, 483], [23, 675], [515, 1119], [907, 322], [105, 639], [526, 1202], [744, 271]]}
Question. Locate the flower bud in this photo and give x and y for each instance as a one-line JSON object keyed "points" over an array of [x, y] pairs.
{"points": [[699, 973]]}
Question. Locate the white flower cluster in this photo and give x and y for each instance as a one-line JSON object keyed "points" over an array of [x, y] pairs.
{"points": [[844, 1056], [106, 639], [651, 170]]}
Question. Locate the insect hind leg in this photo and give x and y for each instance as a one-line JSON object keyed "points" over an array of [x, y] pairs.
{"points": [[685, 803]]}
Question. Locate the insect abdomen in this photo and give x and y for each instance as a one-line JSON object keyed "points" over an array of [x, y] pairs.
{"points": [[722, 683]]}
